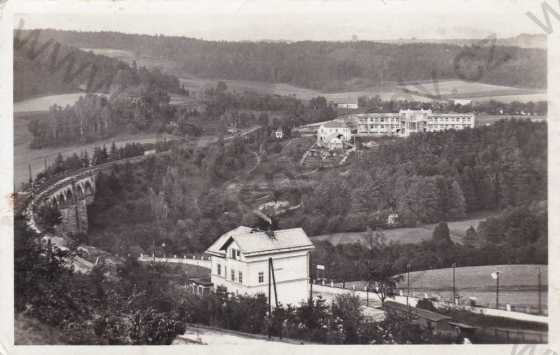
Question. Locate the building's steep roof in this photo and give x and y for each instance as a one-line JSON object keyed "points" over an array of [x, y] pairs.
{"points": [[217, 245], [254, 242]]}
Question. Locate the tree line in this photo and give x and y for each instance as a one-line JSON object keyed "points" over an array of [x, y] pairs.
{"points": [[327, 65], [490, 107]]}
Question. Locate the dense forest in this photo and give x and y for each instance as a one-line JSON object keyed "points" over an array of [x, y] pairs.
{"points": [[43, 66], [432, 177], [326, 65], [182, 199]]}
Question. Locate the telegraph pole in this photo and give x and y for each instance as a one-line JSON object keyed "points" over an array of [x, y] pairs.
{"points": [[310, 280], [454, 296], [269, 299], [154, 251], [540, 292], [408, 284], [497, 289]]}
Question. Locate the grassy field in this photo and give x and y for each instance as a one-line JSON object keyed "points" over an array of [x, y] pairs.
{"points": [[44, 102], [518, 283], [406, 235], [124, 55], [25, 156]]}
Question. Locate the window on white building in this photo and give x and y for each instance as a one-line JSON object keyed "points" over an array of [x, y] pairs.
{"points": [[261, 277], [232, 275], [240, 278], [219, 269]]}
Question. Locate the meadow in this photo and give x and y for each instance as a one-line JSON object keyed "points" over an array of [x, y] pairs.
{"points": [[407, 235], [43, 103], [518, 284]]}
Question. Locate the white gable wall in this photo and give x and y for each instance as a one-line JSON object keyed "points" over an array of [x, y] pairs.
{"points": [[291, 274]]}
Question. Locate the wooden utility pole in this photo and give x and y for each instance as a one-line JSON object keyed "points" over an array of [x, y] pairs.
{"points": [[310, 279], [273, 282], [269, 299], [454, 295], [497, 290], [540, 292], [408, 285], [154, 251]]}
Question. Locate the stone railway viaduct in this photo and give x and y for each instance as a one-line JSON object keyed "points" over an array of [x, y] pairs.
{"points": [[72, 193]]}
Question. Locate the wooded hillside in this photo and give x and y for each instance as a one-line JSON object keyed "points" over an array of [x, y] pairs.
{"points": [[327, 65]]}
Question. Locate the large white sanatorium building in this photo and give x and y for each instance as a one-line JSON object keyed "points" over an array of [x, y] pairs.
{"points": [[240, 263], [406, 122]]}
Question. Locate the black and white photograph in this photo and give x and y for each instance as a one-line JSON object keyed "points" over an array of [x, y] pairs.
{"points": [[280, 173]]}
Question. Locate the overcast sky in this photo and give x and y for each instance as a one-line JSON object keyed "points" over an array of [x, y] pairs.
{"points": [[291, 19]]}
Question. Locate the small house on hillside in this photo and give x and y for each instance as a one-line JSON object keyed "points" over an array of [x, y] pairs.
{"points": [[251, 261], [333, 135]]}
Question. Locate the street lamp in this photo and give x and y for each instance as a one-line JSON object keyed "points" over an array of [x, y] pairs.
{"points": [[496, 275]]}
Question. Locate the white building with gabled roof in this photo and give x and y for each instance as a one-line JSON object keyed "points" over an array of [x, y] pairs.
{"points": [[241, 258], [333, 135]]}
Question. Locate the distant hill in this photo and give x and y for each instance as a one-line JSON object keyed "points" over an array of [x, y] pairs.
{"points": [[524, 40], [48, 66], [325, 65]]}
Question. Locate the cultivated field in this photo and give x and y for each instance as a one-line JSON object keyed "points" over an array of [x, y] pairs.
{"points": [[405, 235], [459, 89]]}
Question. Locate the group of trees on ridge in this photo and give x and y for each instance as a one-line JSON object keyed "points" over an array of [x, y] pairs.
{"points": [[148, 109], [490, 107]]}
